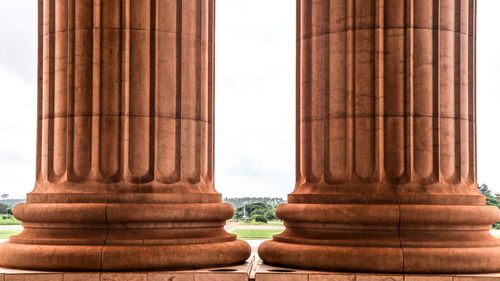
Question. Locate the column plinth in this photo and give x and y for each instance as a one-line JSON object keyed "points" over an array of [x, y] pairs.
{"points": [[386, 142], [124, 177]]}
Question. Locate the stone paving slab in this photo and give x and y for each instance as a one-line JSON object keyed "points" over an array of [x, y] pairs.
{"points": [[252, 270], [265, 272], [231, 273]]}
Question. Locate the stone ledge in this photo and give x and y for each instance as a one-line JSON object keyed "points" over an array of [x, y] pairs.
{"points": [[253, 269], [265, 272], [231, 273]]}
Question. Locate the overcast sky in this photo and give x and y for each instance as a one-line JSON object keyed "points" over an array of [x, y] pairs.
{"points": [[255, 96]]}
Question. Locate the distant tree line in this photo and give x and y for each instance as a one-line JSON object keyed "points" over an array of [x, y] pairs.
{"points": [[12, 202], [259, 212], [6, 206], [238, 202], [5, 209], [258, 209], [491, 199]]}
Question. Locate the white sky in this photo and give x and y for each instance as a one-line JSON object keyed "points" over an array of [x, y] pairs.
{"points": [[255, 96]]}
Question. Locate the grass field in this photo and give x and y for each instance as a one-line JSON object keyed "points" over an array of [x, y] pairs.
{"points": [[8, 220], [250, 234], [261, 223], [6, 233]]}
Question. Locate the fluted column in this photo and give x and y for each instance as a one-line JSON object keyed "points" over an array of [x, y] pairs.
{"points": [[124, 177], [386, 141]]}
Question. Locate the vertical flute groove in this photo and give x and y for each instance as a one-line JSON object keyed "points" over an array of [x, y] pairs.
{"points": [[326, 92], [100, 90], [458, 96], [50, 92], [121, 97], [60, 90], [447, 92], [408, 90], [112, 92], [166, 164], [40, 113], [198, 116], [133, 84], [71, 89], [353, 85], [153, 99], [472, 90], [409, 87], [437, 82], [211, 86], [351, 48], [474, 15], [178, 104], [204, 89], [96, 88], [465, 106], [383, 20], [83, 91], [365, 139], [140, 70], [307, 92], [463, 118], [374, 170], [94, 91], [337, 91], [298, 81]]}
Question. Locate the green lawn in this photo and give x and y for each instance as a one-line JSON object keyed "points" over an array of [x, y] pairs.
{"points": [[6, 233], [261, 223], [497, 236], [250, 234], [8, 220]]}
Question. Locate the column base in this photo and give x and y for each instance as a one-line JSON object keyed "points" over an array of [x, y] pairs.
{"points": [[385, 238], [122, 237], [122, 258], [381, 260]]}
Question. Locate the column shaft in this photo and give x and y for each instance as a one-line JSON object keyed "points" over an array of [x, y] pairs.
{"points": [[124, 176], [126, 90], [386, 141]]}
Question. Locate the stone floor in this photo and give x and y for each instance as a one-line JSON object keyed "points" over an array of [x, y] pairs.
{"points": [[253, 269], [234, 273], [269, 273]]}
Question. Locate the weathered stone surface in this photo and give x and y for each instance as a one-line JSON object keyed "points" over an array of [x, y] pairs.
{"points": [[386, 142], [124, 176], [264, 272], [231, 273], [252, 270]]}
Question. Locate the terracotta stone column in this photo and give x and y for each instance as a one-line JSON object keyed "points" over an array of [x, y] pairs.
{"points": [[124, 177], [386, 141]]}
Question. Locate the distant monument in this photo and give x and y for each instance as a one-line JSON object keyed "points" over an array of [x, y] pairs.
{"points": [[245, 215]]}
